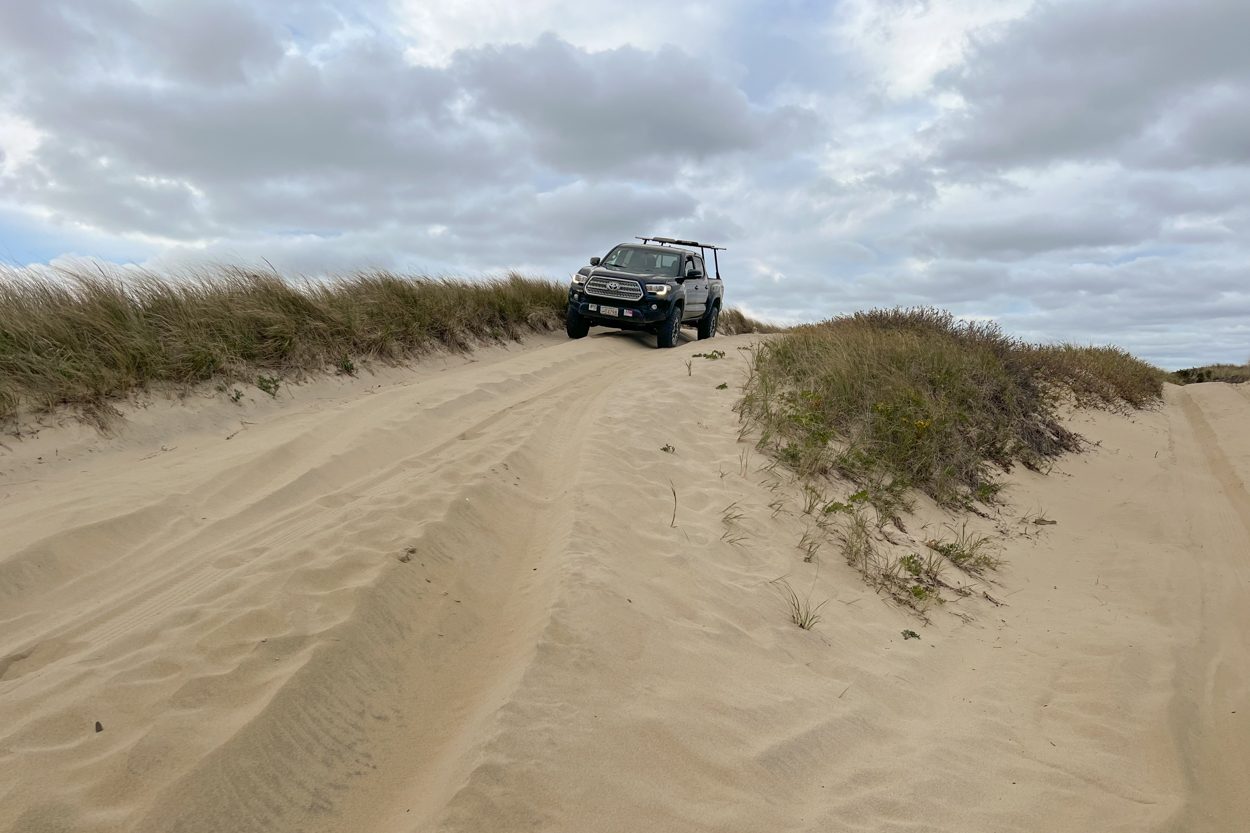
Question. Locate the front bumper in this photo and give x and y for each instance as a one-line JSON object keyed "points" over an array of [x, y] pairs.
{"points": [[646, 312]]}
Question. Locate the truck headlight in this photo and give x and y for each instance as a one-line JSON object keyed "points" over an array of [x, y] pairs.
{"points": [[660, 289], [578, 280]]}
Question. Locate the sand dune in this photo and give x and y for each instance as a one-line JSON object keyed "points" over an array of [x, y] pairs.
{"points": [[457, 599]]}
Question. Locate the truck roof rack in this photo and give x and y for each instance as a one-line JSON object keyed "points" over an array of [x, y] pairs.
{"points": [[669, 241]]}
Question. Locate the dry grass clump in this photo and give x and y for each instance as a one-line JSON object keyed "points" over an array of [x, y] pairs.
{"points": [[1097, 377], [915, 399], [734, 322], [1234, 374], [82, 337]]}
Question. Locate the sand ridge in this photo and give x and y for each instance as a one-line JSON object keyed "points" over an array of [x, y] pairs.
{"points": [[464, 603]]}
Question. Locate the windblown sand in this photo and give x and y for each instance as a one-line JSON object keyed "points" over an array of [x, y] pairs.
{"points": [[457, 599]]}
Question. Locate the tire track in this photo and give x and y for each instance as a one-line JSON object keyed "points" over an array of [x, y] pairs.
{"points": [[278, 666], [1231, 484]]}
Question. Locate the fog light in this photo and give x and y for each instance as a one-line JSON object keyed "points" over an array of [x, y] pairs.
{"points": [[653, 306]]}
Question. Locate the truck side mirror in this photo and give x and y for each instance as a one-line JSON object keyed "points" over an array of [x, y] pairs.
{"points": [[594, 261], [693, 273]]}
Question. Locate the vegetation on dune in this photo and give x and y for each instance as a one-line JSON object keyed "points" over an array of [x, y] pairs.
{"points": [[1097, 377], [735, 322], [80, 338], [915, 399], [1231, 373], [83, 337]]}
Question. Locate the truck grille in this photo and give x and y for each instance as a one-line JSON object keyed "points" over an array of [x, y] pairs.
{"points": [[615, 288]]}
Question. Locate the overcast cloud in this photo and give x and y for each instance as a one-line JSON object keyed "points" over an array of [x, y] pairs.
{"points": [[1077, 169]]}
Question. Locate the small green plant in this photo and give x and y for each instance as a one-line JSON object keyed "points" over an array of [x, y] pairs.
{"points": [[802, 612], [236, 395], [269, 384], [791, 455], [712, 355], [723, 386], [987, 492], [969, 551], [689, 367], [908, 633], [668, 449], [345, 366]]}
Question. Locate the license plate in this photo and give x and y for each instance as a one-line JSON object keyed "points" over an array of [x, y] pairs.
{"points": [[608, 310]]}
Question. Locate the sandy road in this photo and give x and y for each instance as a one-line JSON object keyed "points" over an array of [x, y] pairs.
{"points": [[471, 601], [1212, 425], [238, 617]]}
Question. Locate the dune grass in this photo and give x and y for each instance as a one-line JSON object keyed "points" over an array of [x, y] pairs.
{"points": [[1235, 374], [84, 337], [81, 338], [735, 322], [906, 399]]}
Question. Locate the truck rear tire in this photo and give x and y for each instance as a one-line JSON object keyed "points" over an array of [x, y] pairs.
{"points": [[670, 331], [575, 325], [707, 324]]}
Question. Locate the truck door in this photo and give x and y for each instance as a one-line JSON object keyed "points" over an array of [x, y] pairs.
{"points": [[696, 288]]}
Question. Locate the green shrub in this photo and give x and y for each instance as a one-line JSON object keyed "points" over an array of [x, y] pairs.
{"points": [[916, 399]]}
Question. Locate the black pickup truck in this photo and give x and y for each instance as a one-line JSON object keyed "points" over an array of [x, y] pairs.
{"points": [[656, 285]]}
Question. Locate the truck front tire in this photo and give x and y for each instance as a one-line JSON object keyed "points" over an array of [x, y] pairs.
{"points": [[575, 325], [670, 331]]}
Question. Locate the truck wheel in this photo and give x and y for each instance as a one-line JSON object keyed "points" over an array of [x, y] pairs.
{"points": [[575, 325], [707, 324], [670, 331]]}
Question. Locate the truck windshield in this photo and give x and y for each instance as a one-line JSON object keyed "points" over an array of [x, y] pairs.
{"points": [[642, 261]]}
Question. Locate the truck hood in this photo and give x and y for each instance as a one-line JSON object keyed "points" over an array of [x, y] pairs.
{"points": [[598, 272]]}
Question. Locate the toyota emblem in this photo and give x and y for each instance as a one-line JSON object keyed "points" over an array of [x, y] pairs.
{"points": [[613, 285]]}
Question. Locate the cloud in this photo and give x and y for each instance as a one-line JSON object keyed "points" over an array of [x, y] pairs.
{"points": [[1076, 170], [1084, 81], [623, 111]]}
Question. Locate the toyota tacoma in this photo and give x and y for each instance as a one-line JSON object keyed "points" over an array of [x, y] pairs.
{"points": [[655, 286]]}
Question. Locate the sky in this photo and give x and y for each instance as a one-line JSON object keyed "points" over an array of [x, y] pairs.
{"points": [[1077, 170]]}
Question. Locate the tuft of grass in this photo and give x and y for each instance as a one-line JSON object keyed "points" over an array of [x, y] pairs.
{"points": [[802, 612], [969, 551], [810, 544], [735, 322], [915, 399], [857, 544]]}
